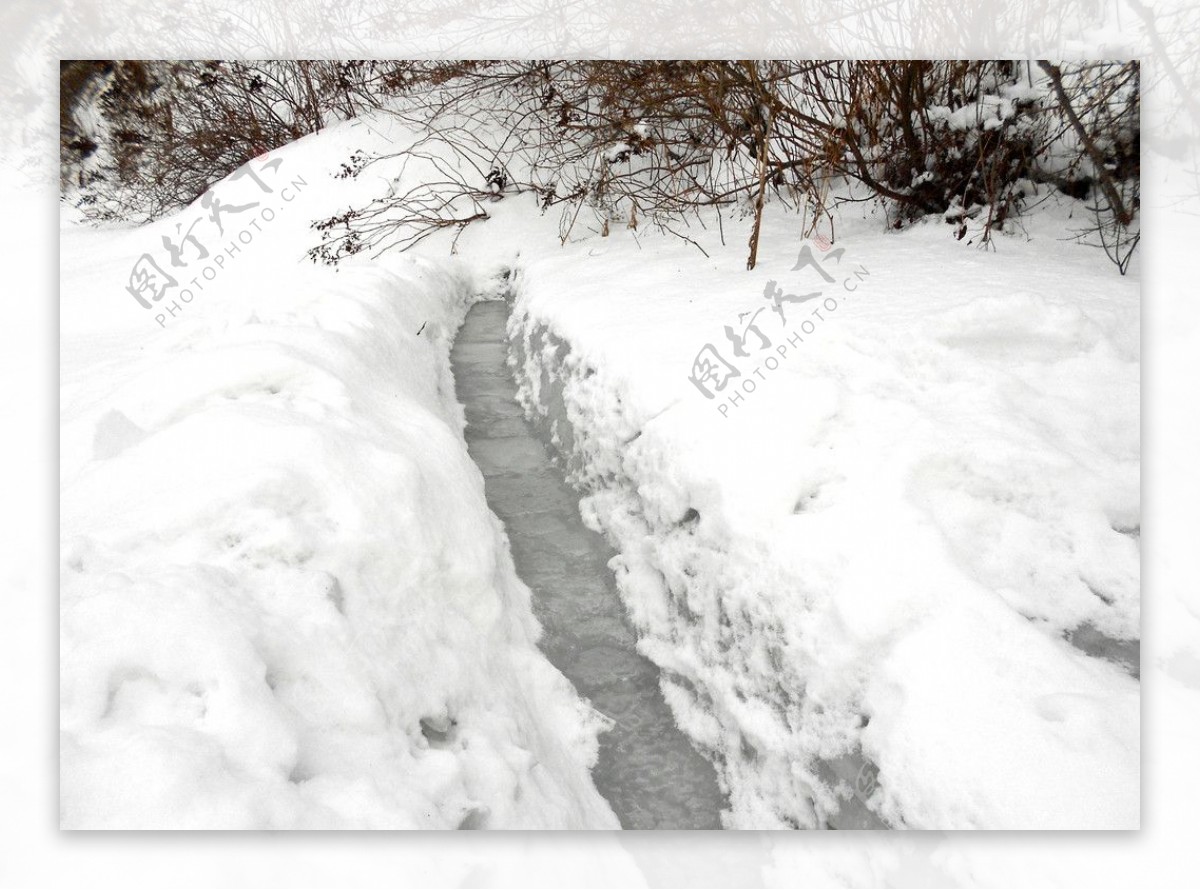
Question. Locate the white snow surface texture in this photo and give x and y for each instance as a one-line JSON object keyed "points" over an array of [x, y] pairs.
{"points": [[878, 551], [285, 603]]}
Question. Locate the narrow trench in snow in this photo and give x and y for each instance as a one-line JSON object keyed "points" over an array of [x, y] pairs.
{"points": [[648, 770]]}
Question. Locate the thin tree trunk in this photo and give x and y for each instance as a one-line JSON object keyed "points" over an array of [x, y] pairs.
{"points": [[1103, 176], [760, 199]]}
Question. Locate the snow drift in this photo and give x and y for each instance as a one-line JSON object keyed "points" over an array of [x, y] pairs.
{"points": [[894, 582], [285, 603], [870, 578]]}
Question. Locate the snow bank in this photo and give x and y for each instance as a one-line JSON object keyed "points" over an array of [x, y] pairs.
{"points": [[285, 603], [890, 573], [862, 564]]}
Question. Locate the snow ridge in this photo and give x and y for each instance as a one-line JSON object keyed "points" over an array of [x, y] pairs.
{"points": [[843, 670], [284, 601]]}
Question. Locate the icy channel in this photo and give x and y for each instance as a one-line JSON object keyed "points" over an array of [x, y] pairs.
{"points": [[648, 770]]}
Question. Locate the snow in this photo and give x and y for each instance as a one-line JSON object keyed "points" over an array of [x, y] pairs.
{"points": [[881, 549], [285, 603]]}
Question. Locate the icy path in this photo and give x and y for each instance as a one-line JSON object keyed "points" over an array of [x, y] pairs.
{"points": [[648, 770]]}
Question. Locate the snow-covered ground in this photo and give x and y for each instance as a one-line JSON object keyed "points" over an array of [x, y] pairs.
{"points": [[878, 538], [285, 603], [881, 546]]}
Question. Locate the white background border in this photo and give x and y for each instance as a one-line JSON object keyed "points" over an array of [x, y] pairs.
{"points": [[32, 850]]}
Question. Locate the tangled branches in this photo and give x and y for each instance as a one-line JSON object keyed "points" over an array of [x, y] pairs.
{"points": [[625, 142], [630, 142], [401, 220]]}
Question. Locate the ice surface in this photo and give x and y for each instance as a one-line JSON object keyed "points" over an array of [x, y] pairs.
{"points": [[647, 769]]}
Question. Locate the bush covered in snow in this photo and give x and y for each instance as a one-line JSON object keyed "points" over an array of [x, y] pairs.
{"points": [[142, 139], [620, 142]]}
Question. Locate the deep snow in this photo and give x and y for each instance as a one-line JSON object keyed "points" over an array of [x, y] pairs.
{"points": [[285, 602], [862, 579]]}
